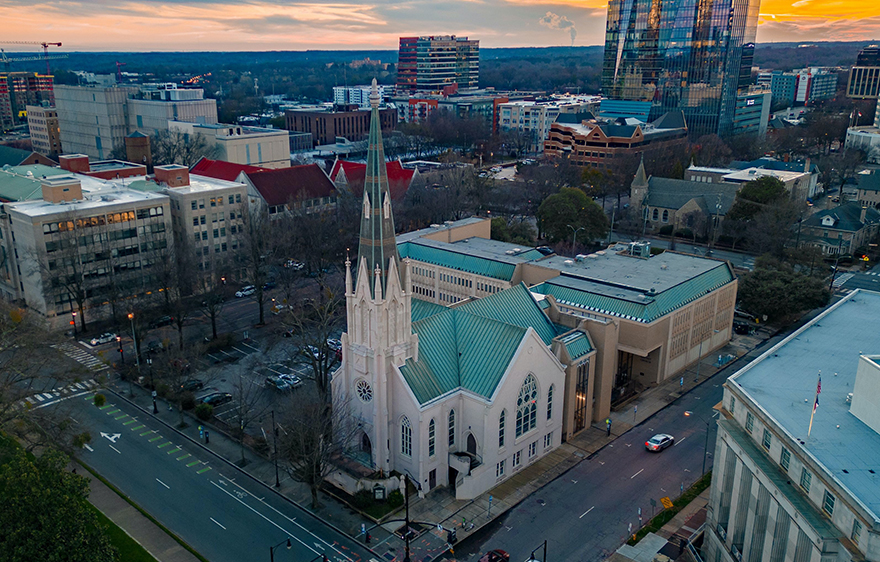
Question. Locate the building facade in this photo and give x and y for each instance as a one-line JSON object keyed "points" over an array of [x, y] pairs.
{"points": [[441, 61], [800, 87], [43, 126], [681, 56], [752, 112], [844, 229], [864, 78], [325, 125], [19, 90], [93, 121], [252, 146], [356, 95], [597, 143], [790, 480]]}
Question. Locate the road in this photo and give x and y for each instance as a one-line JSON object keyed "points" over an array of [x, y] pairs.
{"points": [[586, 513], [222, 513]]}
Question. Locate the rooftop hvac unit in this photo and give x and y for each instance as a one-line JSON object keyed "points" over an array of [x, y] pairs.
{"points": [[568, 263], [580, 257]]}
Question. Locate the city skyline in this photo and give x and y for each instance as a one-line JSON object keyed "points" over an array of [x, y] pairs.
{"points": [[265, 25]]}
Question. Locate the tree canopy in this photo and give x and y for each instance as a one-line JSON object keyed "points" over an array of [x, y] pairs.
{"points": [[44, 512], [754, 196], [775, 289], [570, 210]]}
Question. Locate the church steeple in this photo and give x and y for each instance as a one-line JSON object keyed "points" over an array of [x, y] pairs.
{"points": [[377, 243], [641, 179]]}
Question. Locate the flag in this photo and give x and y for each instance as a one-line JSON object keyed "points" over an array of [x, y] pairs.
{"points": [[818, 391]]}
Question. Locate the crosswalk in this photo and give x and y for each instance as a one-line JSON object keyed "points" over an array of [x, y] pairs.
{"points": [[843, 278], [82, 356], [41, 399]]}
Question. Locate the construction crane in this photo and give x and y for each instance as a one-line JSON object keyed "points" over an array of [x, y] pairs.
{"points": [[119, 66], [6, 60], [44, 44]]}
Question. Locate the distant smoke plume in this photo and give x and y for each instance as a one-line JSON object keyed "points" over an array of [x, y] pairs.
{"points": [[555, 21]]}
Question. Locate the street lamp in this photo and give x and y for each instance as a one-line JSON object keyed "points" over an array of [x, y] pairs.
{"points": [[688, 414], [152, 385], [137, 355], [272, 548], [575, 236], [543, 558]]}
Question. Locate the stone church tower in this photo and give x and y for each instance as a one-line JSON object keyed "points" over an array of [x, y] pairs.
{"points": [[639, 188], [378, 307]]}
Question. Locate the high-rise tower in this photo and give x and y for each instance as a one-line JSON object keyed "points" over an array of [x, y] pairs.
{"points": [[692, 55]]}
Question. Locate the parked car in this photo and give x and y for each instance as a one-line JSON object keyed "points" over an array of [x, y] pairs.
{"points": [[277, 383], [180, 365], [659, 442], [294, 265], [312, 352], [106, 337], [162, 321], [496, 555], [268, 285], [192, 385], [217, 399], [334, 344], [742, 328], [246, 291]]}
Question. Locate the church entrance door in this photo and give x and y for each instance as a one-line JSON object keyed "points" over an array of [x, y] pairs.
{"points": [[366, 445], [472, 444]]}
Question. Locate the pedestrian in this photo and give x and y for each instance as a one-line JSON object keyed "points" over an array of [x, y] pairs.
{"points": [[607, 427], [207, 437]]}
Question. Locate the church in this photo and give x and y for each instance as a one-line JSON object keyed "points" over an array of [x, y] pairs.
{"points": [[460, 397], [466, 358]]}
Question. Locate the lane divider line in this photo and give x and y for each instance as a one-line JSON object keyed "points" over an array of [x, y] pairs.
{"points": [[204, 470], [137, 427], [174, 450], [115, 449], [163, 445], [120, 417], [105, 406], [147, 432], [186, 456], [218, 524], [163, 483], [129, 422], [156, 438], [116, 411], [193, 463]]}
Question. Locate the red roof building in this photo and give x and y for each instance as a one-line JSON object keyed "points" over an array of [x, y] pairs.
{"points": [[349, 176], [218, 169], [298, 187]]}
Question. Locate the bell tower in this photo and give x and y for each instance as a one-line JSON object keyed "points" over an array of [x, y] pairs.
{"points": [[378, 296]]}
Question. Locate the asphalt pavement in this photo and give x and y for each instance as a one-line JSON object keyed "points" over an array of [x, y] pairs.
{"points": [[588, 512], [224, 514]]}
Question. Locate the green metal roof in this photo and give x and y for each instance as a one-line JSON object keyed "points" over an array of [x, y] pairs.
{"points": [[646, 308], [16, 185], [12, 156], [423, 309], [453, 343], [459, 261], [577, 344]]}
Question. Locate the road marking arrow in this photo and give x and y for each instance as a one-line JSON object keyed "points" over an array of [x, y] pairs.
{"points": [[111, 438]]}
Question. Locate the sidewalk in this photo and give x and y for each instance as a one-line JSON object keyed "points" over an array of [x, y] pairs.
{"points": [[149, 535], [440, 506]]}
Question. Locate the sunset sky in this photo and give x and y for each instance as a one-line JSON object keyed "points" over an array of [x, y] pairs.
{"points": [[262, 25]]}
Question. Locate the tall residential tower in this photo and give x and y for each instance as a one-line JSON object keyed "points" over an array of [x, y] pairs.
{"points": [[692, 55], [438, 62]]}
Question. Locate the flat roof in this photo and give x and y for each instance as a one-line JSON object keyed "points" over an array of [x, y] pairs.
{"points": [[783, 380], [630, 273], [199, 183], [408, 236], [109, 165], [750, 174]]}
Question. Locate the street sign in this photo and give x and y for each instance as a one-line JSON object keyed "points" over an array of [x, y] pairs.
{"points": [[667, 503], [155, 394]]}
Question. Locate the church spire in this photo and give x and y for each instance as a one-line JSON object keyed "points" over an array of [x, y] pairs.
{"points": [[641, 179], [377, 243]]}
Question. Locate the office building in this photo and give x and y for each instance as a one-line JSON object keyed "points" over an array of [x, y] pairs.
{"points": [[752, 112], [866, 139], [155, 105], [327, 123], [598, 143], [443, 63], [96, 120], [795, 465], [43, 126], [864, 78], [800, 87], [357, 95], [254, 146], [19, 90], [532, 119], [681, 57]]}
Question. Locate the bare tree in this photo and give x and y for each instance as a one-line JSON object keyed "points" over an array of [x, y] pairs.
{"points": [[313, 435], [255, 252], [252, 405], [173, 269], [176, 147]]}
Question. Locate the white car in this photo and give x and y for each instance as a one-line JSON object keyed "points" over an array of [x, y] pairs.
{"points": [[659, 442], [246, 291], [103, 338]]}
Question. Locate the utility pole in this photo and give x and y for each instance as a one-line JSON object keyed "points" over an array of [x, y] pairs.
{"points": [[406, 520]]}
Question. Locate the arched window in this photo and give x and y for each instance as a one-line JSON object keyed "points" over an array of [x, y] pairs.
{"points": [[501, 420], [550, 402], [431, 438], [665, 216], [656, 215], [405, 437], [527, 406], [452, 428]]}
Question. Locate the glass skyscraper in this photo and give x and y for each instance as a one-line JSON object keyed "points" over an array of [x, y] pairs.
{"points": [[692, 55]]}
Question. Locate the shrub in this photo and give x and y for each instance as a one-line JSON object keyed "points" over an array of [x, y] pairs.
{"points": [[81, 439], [204, 412], [187, 401], [665, 230], [362, 499], [395, 499], [100, 400], [162, 389], [223, 341]]}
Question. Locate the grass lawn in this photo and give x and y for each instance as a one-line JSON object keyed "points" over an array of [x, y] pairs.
{"points": [[129, 549]]}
